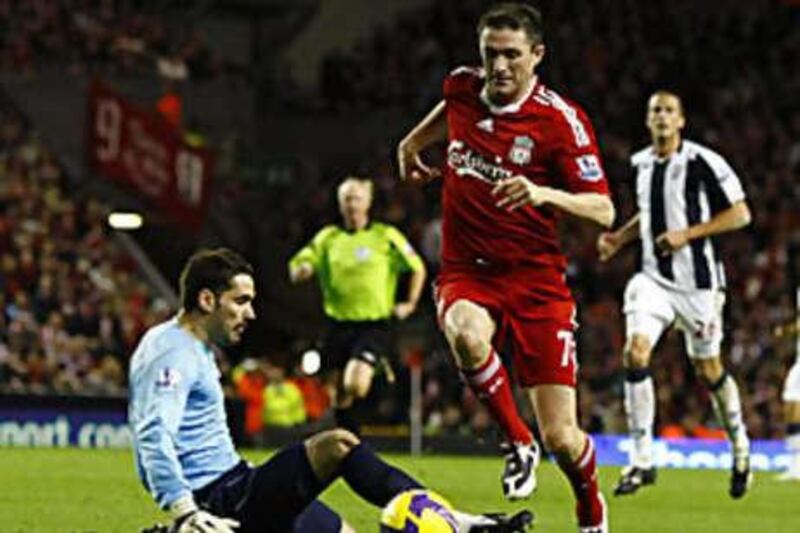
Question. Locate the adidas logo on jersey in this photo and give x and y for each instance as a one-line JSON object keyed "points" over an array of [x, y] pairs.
{"points": [[486, 125]]}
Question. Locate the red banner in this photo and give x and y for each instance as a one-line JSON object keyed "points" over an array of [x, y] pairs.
{"points": [[134, 147]]}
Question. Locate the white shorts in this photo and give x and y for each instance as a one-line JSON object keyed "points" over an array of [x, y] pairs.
{"points": [[650, 308], [791, 387]]}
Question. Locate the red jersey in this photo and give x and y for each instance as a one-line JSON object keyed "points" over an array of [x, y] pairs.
{"points": [[544, 137]]}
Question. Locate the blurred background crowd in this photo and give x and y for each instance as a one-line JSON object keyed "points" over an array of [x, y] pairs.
{"points": [[73, 303], [110, 36]]}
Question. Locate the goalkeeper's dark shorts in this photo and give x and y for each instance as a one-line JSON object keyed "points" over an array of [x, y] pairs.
{"points": [[279, 496]]}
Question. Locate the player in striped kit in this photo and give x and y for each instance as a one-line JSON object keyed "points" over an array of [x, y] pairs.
{"points": [[686, 193]]}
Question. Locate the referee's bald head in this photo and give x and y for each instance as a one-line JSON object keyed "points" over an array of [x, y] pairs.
{"points": [[353, 182]]}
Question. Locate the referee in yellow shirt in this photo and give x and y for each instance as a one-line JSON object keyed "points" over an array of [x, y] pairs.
{"points": [[358, 265]]}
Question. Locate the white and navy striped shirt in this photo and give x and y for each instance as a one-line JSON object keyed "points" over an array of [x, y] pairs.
{"points": [[689, 187]]}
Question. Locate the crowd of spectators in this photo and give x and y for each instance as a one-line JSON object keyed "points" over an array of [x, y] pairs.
{"points": [[275, 398], [102, 36], [738, 70], [72, 308], [72, 305]]}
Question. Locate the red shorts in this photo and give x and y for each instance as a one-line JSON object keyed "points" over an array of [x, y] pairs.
{"points": [[540, 332]]}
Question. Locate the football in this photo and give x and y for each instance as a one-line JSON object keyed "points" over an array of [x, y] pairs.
{"points": [[418, 511]]}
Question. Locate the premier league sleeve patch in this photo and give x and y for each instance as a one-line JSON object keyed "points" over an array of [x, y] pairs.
{"points": [[168, 379], [589, 168]]}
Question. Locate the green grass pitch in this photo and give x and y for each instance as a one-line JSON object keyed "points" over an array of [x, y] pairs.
{"points": [[81, 491]]}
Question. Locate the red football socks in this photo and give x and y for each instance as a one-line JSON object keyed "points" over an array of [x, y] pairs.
{"points": [[490, 382], [582, 475]]}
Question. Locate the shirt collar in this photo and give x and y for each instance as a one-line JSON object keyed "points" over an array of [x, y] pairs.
{"points": [[513, 107], [678, 152], [354, 231]]}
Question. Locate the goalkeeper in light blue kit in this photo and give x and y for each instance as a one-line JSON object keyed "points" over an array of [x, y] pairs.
{"points": [[184, 453]]}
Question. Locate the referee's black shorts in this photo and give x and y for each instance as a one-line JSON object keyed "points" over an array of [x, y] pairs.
{"points": [[367, 340]]}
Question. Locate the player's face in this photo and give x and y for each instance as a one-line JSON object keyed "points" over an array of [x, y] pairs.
{"points": [[234, 311], [664, 116], [509, 58], [354, 201]]}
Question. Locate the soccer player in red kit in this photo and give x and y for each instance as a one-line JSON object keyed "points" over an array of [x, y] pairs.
{"points": [[519, 156]]}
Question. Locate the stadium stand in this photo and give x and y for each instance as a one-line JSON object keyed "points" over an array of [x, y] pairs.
{"points": [[738, 70], [94, 36], [72, 303]]}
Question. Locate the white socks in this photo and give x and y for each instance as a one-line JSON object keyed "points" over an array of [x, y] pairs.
{"points": [[793, 447], [640, 409], [728, 407]]}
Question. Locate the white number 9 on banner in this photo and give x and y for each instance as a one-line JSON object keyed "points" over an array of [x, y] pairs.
{"points": [[108, 126]]}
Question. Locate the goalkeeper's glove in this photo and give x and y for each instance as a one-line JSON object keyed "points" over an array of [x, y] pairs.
{"points": [[188, 518]]}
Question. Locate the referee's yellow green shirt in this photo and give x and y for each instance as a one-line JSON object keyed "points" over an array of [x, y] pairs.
{"points": [[358, 270]]}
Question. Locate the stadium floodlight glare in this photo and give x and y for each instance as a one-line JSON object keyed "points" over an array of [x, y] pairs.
{"points": [[125, 221], [311, 362]]}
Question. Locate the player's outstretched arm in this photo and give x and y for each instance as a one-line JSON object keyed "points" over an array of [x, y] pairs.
{"points": [[735, 217], [589, 205], [517, 191], [610, 242], [302, 264], [432, 129]]}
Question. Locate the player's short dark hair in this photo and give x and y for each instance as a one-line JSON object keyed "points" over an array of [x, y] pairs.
{"points": [[211, 269], [515, 16], [671, 94]]}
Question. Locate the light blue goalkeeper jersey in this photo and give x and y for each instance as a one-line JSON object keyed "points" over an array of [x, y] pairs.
{"points": [[176, 411]]}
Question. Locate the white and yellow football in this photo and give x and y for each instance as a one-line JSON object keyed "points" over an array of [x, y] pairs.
{"points": [[418, 511]]}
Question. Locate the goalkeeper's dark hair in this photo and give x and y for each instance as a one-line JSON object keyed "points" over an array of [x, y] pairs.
{"points": [[515, 16], [211, 269]]}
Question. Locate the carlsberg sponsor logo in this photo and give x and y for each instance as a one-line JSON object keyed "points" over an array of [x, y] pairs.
{"points": [[56, 434], [466, 162]]}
